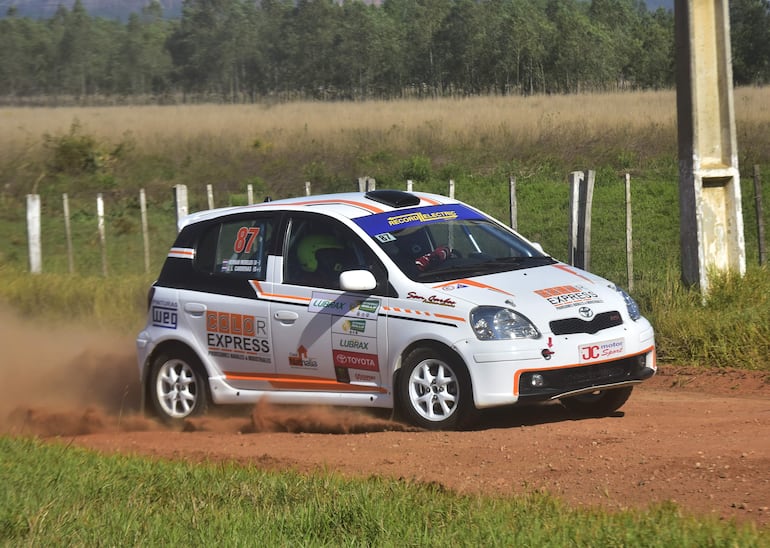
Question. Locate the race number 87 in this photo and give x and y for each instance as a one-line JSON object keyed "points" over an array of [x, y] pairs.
{"points": [[244, 241]]}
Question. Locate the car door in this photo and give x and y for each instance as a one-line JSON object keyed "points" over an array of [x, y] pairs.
{"points": [[228, 320], [326, 339]]}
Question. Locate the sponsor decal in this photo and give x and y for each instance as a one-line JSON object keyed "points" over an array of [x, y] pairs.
{"points": [[163, 316], [433, 299], [601, 351], [344, 341], [385, 237], [379, 226], [567, 296], [237, 336], [328, 307], [355, 344], [463, 283], [356, 327], [343, 305], [346, 325], [420, 217], [364, 377], [342, 374], [355, 360], [369, 306], [452, 287], [240, 265], [301, 359]]}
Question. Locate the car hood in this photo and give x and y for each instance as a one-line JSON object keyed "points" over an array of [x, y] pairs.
{"points": [[542, 294]]}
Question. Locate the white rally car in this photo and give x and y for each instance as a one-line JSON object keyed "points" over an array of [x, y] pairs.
{"points": [[408, 301]]}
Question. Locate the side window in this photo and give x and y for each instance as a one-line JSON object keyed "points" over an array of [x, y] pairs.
{"points": [[318, 250], [236, 247]]}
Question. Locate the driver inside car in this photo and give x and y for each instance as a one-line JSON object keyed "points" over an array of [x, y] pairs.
{"points": [[321, 259]]}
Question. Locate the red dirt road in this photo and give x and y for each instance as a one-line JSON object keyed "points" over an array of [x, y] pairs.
{"points": [[698, 438]]}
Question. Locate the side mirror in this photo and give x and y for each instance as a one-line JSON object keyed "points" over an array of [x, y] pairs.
{"points": [[357, 280], [539, 247]]}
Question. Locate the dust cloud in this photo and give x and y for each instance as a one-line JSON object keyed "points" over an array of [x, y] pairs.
{"points": [[70, 380]]}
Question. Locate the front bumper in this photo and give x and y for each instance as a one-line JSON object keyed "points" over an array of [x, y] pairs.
{"points": [[550, 384]]}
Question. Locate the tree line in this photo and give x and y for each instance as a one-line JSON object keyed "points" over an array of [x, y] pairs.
{"points": [[242, 50]]}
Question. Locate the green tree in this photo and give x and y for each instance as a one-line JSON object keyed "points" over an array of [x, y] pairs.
{"points": [[750, 39], [142, 62], [211, 46]]}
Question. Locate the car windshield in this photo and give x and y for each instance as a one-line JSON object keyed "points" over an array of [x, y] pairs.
{"points": [[441, 243]]}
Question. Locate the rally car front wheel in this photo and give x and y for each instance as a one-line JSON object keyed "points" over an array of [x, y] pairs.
{"points": [[177, 387], [434, 390], [600, 403]]}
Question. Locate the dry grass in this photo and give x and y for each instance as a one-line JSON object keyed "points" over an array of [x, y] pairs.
{"points": [[460, 117], [571, 127], [280, 125]]}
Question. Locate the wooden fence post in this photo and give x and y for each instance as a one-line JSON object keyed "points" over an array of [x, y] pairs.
{"points": [[307, 188], [102, 235], [33, 234], [180, 202], [68, 233], [629, 236], [452, 188], [409, 185], [513, 205], [250, 194], [581, 201], [210, 196], [145, 233], [760, 216]]}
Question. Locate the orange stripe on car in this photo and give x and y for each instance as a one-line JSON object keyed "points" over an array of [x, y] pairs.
{"points": [[301, 382], [262, 294], [447, 317], [473, 284], [181, 253], [423, 313], [569, 270], [362, 205]]}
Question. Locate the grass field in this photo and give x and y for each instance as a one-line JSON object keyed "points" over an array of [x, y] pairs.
{"points": [[55, 495]]}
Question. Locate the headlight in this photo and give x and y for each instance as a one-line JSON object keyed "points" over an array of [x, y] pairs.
{"points": [[633, 308], [494, 323]]}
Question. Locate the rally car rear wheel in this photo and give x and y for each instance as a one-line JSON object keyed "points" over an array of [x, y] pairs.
{"points": [[434, 390], [177, 388], [599, 403]]}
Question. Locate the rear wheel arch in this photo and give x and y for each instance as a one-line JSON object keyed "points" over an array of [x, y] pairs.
{"points": [[168, 350]]}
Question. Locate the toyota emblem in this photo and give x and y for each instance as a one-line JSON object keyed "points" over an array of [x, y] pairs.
{"points": [[585, 312]]}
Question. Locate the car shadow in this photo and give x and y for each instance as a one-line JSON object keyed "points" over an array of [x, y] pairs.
{"points": [[532, 414]]}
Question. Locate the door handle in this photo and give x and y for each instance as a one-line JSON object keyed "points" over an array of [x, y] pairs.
{"points": [[286, 316], [195, 309]]}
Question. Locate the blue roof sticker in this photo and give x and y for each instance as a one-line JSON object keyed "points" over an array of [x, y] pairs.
{"points": [[382, 223]]}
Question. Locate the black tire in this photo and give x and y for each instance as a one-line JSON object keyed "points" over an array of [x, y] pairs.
{"points": [[600, 403], [434, 391], [177, 387]]}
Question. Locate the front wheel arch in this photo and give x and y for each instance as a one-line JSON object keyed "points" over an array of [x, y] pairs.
{"points": [[433, 356]]}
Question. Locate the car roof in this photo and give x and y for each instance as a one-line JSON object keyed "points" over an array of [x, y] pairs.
{"points": [[350, 205]]}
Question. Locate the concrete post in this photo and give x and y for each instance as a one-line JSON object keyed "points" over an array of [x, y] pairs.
{"points": [[711, 221]]}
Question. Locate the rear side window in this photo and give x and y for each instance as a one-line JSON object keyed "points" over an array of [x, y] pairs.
{"points": [[236, 248]]}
